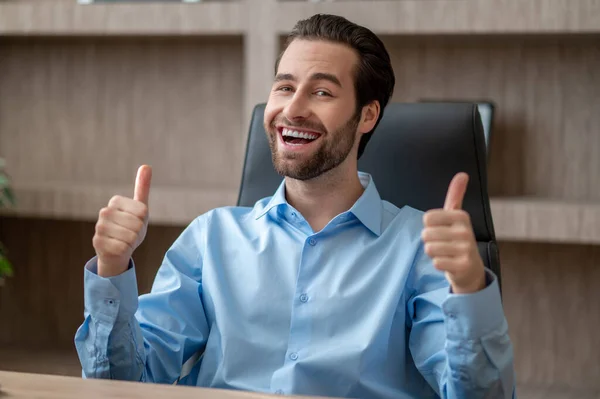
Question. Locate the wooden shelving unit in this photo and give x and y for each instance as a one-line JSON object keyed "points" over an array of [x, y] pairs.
{"points": [[89, 92], [515, 219], [437, 17], [168, 206], [60, 17], [551, 221]]}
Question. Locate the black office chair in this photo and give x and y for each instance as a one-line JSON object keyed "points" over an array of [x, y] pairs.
{"points": [[412, 156]]}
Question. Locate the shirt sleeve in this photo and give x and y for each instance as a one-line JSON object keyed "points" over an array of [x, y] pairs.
{"points": [[459, 342], [148, 338]]}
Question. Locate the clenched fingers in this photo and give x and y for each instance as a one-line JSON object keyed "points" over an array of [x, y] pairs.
{"points": [[441, 217], [121, 218], [136, 208]]}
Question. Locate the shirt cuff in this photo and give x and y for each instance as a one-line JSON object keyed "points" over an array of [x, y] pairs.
{"points": [[473, 316], [110, 298]]}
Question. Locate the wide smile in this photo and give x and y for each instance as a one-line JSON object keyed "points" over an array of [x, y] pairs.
{"points": [[294, 139]]}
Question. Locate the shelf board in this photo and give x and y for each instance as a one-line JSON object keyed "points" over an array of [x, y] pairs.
{"points": [[69, 18], [540, 220], [168, 205], [58, 17], [453, 16], [515, 219]]}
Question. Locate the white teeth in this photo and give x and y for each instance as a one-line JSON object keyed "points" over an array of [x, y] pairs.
{"points": [[301, 135]]}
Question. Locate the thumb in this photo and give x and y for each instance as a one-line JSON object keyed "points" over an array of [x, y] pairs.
{"points": [[142, 184], [456, 191]]}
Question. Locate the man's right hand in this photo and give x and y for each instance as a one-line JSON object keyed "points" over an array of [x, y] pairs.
{"points": [[122, 226]]}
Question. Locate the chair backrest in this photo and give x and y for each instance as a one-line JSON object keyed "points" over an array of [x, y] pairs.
{"points": [[412, 156]]}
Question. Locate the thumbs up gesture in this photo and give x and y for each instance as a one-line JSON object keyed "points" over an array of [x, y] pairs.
{"points": [[450, 241], [122, 226]]}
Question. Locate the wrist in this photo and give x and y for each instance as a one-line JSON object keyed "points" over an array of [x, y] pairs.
{"points": [[111, 268], [474, 284]]}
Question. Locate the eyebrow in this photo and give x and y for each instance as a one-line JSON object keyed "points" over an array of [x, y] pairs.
{"points": [[315, 76]]}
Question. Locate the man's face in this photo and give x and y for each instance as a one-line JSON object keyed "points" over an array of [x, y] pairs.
{"points": [[310, 118]]}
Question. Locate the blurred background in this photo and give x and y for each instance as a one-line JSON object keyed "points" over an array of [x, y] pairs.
{"points": [[90, 91]]}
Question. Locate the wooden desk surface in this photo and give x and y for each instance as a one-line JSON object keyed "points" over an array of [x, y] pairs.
{"points": [[42, 386]]}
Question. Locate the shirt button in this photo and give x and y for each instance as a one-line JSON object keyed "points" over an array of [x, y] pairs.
{"points": [[293, 214], [312, 242], [452, 316], [303, 298], [293, 356]]}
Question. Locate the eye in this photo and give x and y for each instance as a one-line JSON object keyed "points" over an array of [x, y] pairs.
{"points": [[322, 93], [284, 88]]}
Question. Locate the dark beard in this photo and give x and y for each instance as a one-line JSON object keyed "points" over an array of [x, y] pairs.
{"points": [[326, 158]]}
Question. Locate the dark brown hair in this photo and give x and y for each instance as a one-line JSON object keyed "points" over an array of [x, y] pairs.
{"points": [[374, 79]]}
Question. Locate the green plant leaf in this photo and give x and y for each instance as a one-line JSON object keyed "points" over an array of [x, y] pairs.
{"points": [[4, 182], [5, 267], [7, 198], [8, 192]]}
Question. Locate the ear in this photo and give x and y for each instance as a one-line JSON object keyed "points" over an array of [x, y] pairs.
{"points": [[369, 116]]}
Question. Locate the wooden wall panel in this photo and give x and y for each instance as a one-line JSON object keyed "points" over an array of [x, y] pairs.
{"points": [[88, 111], [260, 52], [552, 303], [42, 305], [546, 140], [62, 361]]}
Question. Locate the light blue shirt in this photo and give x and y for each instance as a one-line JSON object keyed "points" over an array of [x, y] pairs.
{"points": [[354, 310]]}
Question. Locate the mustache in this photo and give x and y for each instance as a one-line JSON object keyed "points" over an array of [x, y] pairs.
{"points": [[308, 125]]}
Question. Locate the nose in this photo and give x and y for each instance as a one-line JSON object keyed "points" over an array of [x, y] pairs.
{"points": [[297, 108]]}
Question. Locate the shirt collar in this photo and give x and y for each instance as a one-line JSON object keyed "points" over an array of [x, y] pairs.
{"points": [[367, 208], [277, 199]]}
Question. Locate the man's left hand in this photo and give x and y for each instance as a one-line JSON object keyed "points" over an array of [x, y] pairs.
{"points": [[450, 241]]}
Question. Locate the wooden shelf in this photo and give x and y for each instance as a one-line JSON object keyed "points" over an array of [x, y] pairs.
{"points": [[453, 16], [168, 205], [515, 219], [53, 17], [57, 17], [539, 220]]}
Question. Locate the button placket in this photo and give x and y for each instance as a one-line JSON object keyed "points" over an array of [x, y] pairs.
{"points": [[299, 339]]}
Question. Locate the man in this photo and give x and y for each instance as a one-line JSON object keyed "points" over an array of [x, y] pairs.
{"points": [[321, 289]]}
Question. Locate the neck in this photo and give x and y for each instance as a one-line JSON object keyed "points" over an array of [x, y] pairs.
{"points": [[321, 199]]}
